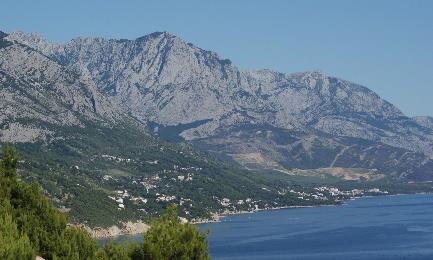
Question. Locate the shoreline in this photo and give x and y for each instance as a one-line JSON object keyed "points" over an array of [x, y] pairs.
{"points": [[115, 231], [104, 233], [129, 228]]}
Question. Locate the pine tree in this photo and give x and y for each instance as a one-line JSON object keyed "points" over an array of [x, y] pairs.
{"points": [[30, 225], [13, 245], [40, 227], [167, 238]]}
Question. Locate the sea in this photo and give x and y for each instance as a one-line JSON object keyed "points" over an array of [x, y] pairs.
{"points": [[383, 227]]}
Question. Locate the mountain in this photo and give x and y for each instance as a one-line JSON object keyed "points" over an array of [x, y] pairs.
{"points": [[260, 119], [424, 121], [35, 88], [100, 164]]}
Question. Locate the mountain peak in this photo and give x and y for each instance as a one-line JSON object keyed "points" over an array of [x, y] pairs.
{"points": [[315, 74], [3, 34], [34, 40], [31, 37], [163, 79], [154, 35]]}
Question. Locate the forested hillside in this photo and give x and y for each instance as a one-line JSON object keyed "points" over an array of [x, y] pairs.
{"points": [[31, 226]]}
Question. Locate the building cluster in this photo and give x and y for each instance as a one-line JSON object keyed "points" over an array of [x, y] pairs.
{"points": [[335, 192], [122, 195], [115, 158]]}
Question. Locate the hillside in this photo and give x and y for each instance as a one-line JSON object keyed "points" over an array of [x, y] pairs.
{"points": [[298, 120], [84, 117], [32, 228], [99, 164]]}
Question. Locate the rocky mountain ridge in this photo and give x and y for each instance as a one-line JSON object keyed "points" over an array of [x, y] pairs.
{"points": [[99, 164], [39, 95], [162, 80]]}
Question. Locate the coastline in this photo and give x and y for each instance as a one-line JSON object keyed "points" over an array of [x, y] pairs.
{"points": [[139, 227], [128, 228], [115, 231]]}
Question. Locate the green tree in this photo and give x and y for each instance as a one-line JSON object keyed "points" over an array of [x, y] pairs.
{"points": [[30, 225], [80, 244], [9, 162], [25, 208], [13, 245], [115, 251], [167, 238]]}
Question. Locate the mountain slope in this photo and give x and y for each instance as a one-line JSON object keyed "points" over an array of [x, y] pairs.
{"points": [[424, 121], [174, 86], [100, 164]]}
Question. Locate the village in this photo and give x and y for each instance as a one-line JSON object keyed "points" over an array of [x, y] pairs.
{"points": [[152, 189]]}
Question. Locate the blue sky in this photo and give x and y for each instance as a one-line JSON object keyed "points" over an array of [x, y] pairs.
{"points": [[384, 45]]}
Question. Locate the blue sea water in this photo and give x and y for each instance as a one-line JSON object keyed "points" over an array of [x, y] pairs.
{"points": [[387, 227]]}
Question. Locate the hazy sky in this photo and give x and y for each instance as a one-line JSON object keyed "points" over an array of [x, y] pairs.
{"points": [[384, 45]]}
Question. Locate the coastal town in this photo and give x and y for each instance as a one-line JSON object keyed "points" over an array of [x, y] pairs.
{"points": [[143, 193]]}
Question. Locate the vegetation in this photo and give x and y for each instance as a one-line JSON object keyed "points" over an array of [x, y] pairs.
{"points": [[71, 171], [30, 225], [159, 243]]}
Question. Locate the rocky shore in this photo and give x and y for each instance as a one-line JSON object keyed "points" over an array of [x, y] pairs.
{"points": [[128, 228], [132, 228]]}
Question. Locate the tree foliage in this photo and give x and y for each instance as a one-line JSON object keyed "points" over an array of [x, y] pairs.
{"points": [[13, 244], [169, 239], [40, 228], [30, 225]]}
